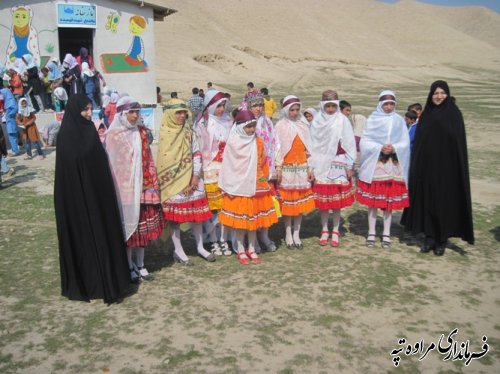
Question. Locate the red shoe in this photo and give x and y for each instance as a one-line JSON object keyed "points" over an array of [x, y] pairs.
{"points": [[243, 258], [335, 243], [322, 242], [254, 258]]}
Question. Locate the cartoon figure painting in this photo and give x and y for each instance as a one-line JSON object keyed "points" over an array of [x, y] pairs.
{"points": [[24, 37], [133, 61], [135, 54]]}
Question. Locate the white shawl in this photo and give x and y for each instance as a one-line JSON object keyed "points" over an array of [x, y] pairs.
{"points": [[287, 129], [326, 133], [383, 128], [124, 148], [212, 130], [238, 175]]}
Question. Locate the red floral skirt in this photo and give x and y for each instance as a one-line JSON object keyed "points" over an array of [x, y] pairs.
{"points": [[150, 227], [389, 194], [333, 196], [187, 211]]}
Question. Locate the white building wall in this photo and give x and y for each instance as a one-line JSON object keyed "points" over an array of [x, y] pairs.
{"points": [[141, 85]]}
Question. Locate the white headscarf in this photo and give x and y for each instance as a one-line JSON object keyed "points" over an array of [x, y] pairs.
{"points": [[61, 94], [212, 129], [86, 70], [287, 129], [124, 146], [238, 175], [327, 130], [383, 128], [69, 61], [26, 111]]}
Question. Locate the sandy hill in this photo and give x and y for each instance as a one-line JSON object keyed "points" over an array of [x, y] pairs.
{"points": [[293, 44]]}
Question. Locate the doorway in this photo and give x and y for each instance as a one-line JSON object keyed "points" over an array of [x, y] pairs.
{"points": [[71, 39]]}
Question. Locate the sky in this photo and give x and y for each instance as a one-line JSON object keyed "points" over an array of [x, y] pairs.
{"points": [[492, 4]]}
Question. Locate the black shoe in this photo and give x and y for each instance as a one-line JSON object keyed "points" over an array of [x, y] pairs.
{"points": [[298, 245], [209, 258], [439, 249], [429, 245]]}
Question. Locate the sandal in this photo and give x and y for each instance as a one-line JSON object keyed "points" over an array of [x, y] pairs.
{"points": [[254, 258], [28, 158], [335, 243], [243, 258], [215, 249], [386, 241], [370, 243], [322, 242], [224, 247]]}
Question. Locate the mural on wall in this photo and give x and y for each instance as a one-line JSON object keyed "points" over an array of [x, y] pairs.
{"points": [[24, 37], [113, 21], [133, 60]]}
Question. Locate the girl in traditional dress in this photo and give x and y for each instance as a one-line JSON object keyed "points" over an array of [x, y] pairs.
{"points": [[333, 155], [247, 203], [180, 174], [294, 175], [265, 131], [213, 130], [136, 182], [26, 120], [383, 172]]}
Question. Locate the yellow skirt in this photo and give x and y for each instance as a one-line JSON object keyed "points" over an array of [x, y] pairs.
{"points": [[295, 202], [214, 196], [248, 213]]}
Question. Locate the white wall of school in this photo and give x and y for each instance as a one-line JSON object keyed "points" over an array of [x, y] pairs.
{"points": [[141, 85]]}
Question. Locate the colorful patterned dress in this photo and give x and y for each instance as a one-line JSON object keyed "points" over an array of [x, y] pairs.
{"points": [[251, 213], [151, 223]]}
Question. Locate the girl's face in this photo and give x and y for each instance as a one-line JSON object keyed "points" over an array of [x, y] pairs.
{"points": [[439, 96], [294, 112], [24, 104], [250, 128], [309, 116], [346, 111], [257, 110], [388, 107], [132, 115], [87, 112], [180, 117], [219, 111], [330, 108]]}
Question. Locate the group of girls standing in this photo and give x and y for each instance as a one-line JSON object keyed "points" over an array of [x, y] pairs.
{"points": [[230, 179], [248, 165]]}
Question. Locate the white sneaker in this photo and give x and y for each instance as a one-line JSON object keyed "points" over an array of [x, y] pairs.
{"points": [[215, 249], [144, 273]]}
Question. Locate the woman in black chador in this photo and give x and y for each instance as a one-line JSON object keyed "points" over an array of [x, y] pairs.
{"points": [[440, 200], [91, 247]]}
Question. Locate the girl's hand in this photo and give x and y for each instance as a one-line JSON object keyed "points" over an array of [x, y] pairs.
{"points": [[349, 175], [387, 149], [310, 175], [194, 182]]}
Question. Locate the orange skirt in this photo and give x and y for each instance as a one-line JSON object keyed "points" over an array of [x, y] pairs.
{"points": [[248, 213], [295, 202]]}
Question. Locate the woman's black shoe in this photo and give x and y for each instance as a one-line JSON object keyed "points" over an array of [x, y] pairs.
{"points": [[429, 245], [439, 249]]}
